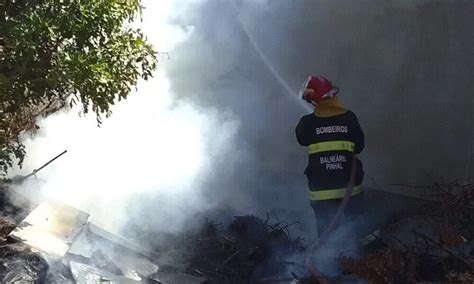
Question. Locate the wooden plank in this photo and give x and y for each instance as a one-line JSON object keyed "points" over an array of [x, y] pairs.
{"points": [[51, 227]]}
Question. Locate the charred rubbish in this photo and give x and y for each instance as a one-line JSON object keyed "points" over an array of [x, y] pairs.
{"points": [[56, 243], [435, 243], [247, 250]]}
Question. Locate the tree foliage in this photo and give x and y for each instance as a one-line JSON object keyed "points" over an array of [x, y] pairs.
{"points": [[56, 53]]}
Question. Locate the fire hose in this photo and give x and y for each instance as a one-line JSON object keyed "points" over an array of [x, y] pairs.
{"points": [[332, 226], [326, 234]]}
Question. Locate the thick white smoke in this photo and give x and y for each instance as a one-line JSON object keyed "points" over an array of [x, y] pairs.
{"points": [[405, 69], [153, 149]]}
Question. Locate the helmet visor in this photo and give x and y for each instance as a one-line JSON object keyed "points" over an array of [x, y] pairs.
{"points": [[303, 88]]}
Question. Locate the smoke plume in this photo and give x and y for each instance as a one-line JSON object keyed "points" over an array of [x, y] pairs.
{"points": [[405, 68], [215, 128]]}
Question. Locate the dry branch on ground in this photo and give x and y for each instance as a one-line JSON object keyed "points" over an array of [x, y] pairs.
{"points": [[435, 244]]}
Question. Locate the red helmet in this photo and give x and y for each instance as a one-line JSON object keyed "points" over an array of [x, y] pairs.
{"points": [[317, 88]]}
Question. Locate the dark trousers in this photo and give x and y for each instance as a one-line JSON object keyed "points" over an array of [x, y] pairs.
{"points": [[325, 210]]}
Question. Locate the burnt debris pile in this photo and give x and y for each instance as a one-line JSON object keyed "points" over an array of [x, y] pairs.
{"points": [[429, 240], [248, 250], [56, 243], [434, 243], [18, 263]]}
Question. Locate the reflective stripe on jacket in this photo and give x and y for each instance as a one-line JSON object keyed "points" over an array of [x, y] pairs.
{"points": [[332, 193], [331, 142]]}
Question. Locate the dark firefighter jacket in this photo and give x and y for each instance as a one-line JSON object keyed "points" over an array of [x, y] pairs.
{"points": [[331, 143]]}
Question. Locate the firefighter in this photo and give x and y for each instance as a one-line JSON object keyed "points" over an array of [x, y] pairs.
{"points": [[333, 135]]}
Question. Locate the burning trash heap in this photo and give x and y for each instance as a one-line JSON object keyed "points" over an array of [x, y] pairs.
{"points": [[55, 243], [248, 250], [432, 241]]}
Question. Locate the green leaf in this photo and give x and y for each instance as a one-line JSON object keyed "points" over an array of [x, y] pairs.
{"points": [[56, 50]]}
